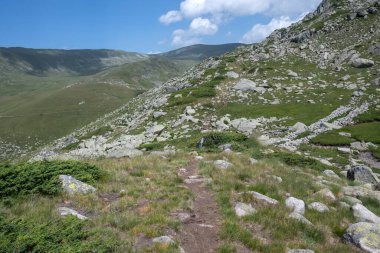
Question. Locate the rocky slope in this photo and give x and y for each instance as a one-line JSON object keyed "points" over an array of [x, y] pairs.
{"points": [[309, 93]]}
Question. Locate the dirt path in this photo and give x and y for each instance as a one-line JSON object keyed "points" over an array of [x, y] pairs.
{"points": [[200, 233]]}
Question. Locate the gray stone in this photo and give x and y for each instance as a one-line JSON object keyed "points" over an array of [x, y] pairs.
{"points": [[245, 85], [372, 10], [300, 251], [158, 114], [365, 236], [299, 217], [351, 200], [299, 127], [330, 173], [375, 49], [361, 13], [64, 211], [363, 174], [242, 209], [362, 63], [292, 73], [71, 185], [163, 240], [376, 81], [326, 193], [232, 74], [296, 205], [264, 198], [221, 164], [318, 206], [362, 214]]}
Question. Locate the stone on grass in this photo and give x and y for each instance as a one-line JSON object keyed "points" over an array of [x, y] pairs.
{"points": [[365, 236], [221, 164], [65, 211], [245, 85], [163, 240], [330, 173], [326, 193], [242, 209], [299, 217], [363, 174], [299, 251], [362, 214], [362, 63], [71, 185], [319, 207], [264, 198], [296, 205]]}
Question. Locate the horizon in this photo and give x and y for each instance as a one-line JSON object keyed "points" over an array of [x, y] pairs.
{"points": [[143, 26]]}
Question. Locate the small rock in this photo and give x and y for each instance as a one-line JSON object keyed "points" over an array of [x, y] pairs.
{"points": [[300, 218], [327, 194], [330, 173], [363, 174], [362, 63], [242, 209], [318, 206], [344, 150], [71, 185], [362, 214], [264, 198], [299, 251], [292, 73], [253, 161], [296, 205], [64, 211], [221, 164]]}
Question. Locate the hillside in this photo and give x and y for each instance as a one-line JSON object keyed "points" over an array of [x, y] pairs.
{"points": [[47, 94], [272, 147]]}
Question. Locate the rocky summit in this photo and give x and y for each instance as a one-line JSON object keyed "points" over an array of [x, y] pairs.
{"points": [[271, 147]]}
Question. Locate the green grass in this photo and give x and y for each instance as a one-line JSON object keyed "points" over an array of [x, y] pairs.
{"points": [[373, 114], [331, 139], [42, 177]]}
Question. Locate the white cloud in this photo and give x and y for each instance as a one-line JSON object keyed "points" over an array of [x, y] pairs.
{"points": [[171, 17], [221, 9], [202, 26], [260, 32], [198, 27], [208, 15]]}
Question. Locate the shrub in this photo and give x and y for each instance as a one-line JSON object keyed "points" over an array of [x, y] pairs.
{"points": [[64, 235], [42, 177]]}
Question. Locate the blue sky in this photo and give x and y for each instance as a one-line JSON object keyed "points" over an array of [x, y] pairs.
{"points": [[143, 25]]}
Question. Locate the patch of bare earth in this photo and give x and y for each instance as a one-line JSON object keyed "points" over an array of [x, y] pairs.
{"points": [[200, 232]]}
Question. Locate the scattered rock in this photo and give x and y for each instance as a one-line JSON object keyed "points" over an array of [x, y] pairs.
{"points": [[319, 207], [245, 85], [242, 209], [365, 236], [327, 194], [362, 63], [362, 214], [296, 205], [264, 198], [71, 185], [64, 211], [363, 174], [221, 164], [299, 127], [299, 217]]}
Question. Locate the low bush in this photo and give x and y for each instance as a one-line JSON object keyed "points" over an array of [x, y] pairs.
{"points": [[64, 235], [42, 177]]}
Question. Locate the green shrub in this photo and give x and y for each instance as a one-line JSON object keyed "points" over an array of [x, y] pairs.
{"points": [[42, 177], [64, 235], [292, 159]]}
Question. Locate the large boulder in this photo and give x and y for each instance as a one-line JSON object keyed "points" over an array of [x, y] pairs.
{"points": [[263, 198], [361, 213], [245, 85], [299, 127], [363, 174], [71, 185], [318, 206], [365, 236], [362, 63], [246, 126]]}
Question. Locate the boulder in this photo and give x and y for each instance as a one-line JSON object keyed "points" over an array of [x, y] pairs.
{"points": [[362, 214], [221, 164], [365, 236], [330, 173], [245, 85], [158, 114], [375, 49], [166, 240], [361, 13], [71, 185], [318, 206], [363, 174], [232, 74], [372, 10], [156, 129], [291, 73], [242, 209], [362, 63], [246, 126], [376, 81], [326, 193], [65, 211], [263, 198], [296, 205]]}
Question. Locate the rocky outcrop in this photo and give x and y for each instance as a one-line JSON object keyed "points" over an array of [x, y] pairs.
{"points": [[71, 185], [365, 236]]}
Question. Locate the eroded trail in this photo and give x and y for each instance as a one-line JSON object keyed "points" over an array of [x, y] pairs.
{"points": [[200, 233]]}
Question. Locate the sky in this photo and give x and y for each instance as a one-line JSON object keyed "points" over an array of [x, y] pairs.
{"points": [[146, 26]]}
